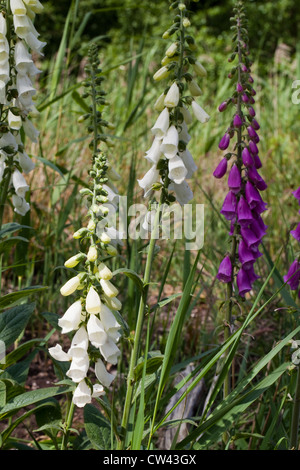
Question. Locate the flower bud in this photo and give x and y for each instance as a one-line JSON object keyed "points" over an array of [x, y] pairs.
{"points": [[74, 260], [162, 73], [70, 286], [93, 301], [92, 253]]}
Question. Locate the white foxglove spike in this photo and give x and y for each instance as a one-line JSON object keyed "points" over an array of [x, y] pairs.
{"points": [[172, 97], [3, 27], [70, 286], [79, 344], [17, 7], [14, 122], [78, 369], [30, 130], [98, 390], [189, 163], [58, 354], [96, 332], [154, 153], [110, 351], [199, 113], [104, 377], [149, 178], [23, 59], [35, 44], [93, 302], [82, 395], [21, 207], [109, 322], [162, 124], [19, 183], [183, 192], [21, 26]]}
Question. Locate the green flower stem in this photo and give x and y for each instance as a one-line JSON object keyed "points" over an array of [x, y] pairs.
{"points": [[295, 415], [65, 439], [4, 192], [139, 325]]}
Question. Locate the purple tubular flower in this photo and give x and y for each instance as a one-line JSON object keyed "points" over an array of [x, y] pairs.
{"points": [[296, 233], [245, 98], [229, 206], [250, 238], [234, 179], [245, 256], [296, 194], [293, 276], [257, 162], [244, 213], [223, 106], [239, 88], [252, 134], [221, 169], [237, 121], [250, 79], [252, 195], [247, 159], [252, 276], [251, 111], [225, 270], [257, 229], [253, 147], [255, 177], [255, 124], [244, 68], [243, 282], [224, 142]]}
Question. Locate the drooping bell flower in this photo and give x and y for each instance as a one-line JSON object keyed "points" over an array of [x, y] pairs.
{"points": [[235, 180], [224, 142], [237, 121], [296, 194], [249, 237], [247, 158], [293, 276], [223, 106], [253, 134], [257, 162], [296, 233], [253, 147], [225, 270], [229, 208], [256, 178], [245, 255], [244, 213], [221, 169], [243, 282]]}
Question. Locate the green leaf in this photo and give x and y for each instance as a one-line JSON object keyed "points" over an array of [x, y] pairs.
{"points": [[13, 321], [97, 428], [132, 275], [13, 297], [11, 227], [153, 362], [49, 417], [50, 165]]}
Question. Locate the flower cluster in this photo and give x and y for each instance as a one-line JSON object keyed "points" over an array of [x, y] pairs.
{"points": [[243, 205], [292, 278], [94, 315], [172, 162], [18, 41]]}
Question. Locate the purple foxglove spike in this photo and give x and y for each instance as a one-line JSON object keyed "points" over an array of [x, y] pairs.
{"points": [[253, 147], [239, 88], [221, 169], [245, 256], [243, 282], [260, 221], [251, 111], [224, 142], [247, 159], [245, 98], [253, 134], [232, 227], [235, 179], [225, 270], [252, 276], [257, 162], [257, 229], [260, 207], [252, 195], [255, 124], [256, 253], [293, 276], [244, 213], [237, 121], [296, 233], [296, 194], [229, 207], [250, 238], [223, 106]]}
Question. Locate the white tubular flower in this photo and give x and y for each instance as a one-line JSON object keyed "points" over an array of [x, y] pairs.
{"points": [[93, 302], [17, 7], [194, 88], [30, 130], [14, 122], [92, 253], [183, 192], [78, 369], [172, 49], [23, 59], [82, 395], [96, 332], [110, 323], [25, 89], [21, 207], [3, 99], [19, 183], [162, 73], [4, 49], [70, 286], [184, 134], [177, 170], [149, 179], [26, 162], [33, 42], [159, 103], [169, 146], [110, 351], [3, 27], [2, 168], [189, 163], [4, 71], [188, 119], [114, 303], [162, 124], [199, 113], [21, 25], [109, 289], [79, 344], [199, 69], [104, 272], [172, 97], [71, 319], [154, 153], [104, 377], [98, 390], [35, 5], [58, 354]]}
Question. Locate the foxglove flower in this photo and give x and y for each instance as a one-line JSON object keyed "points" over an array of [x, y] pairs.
{"points": [[292, 278], [243, 205], [92, 314]]}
